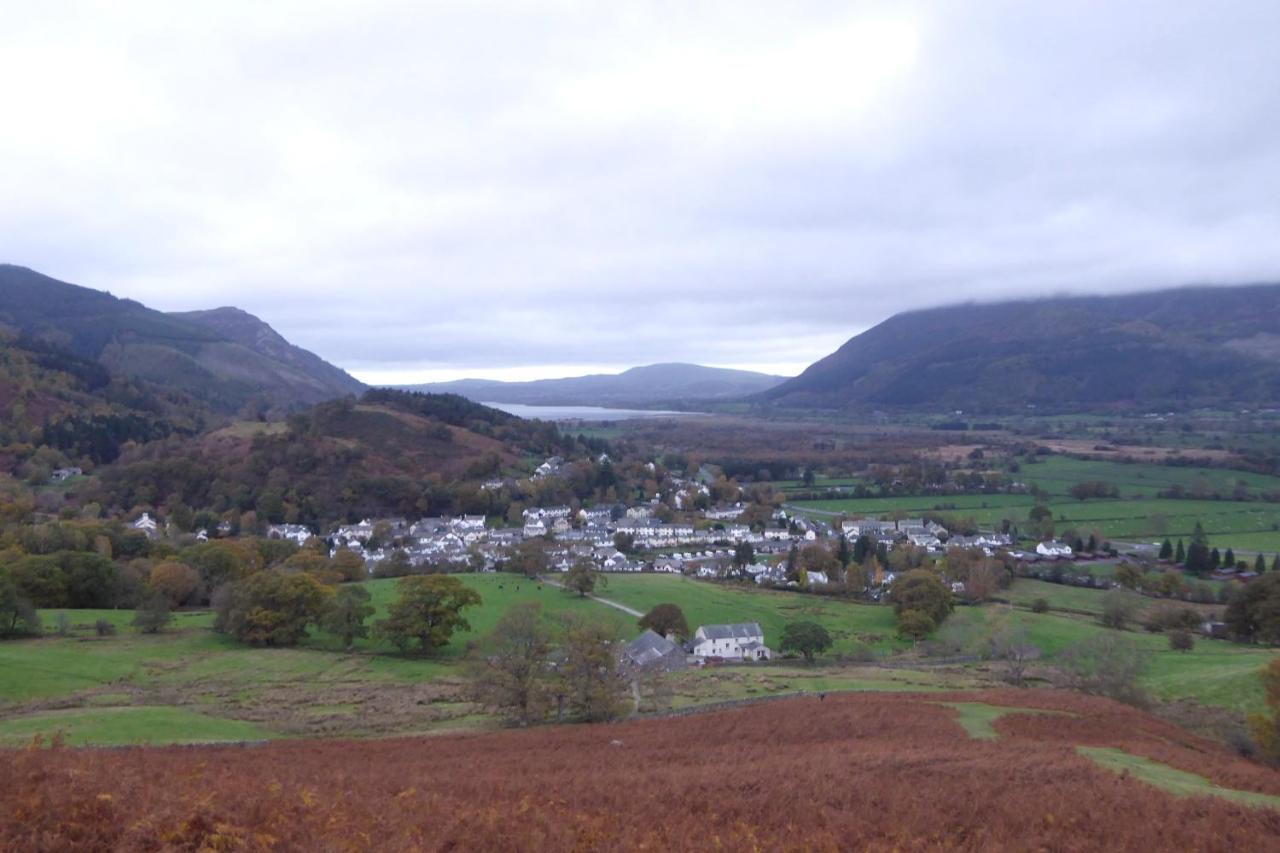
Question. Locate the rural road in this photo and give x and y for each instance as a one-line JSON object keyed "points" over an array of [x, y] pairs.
{"points": [[615, 605]]}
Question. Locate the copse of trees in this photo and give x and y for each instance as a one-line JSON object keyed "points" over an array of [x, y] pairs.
{"points": [[1253, 611], [515, 679], [271, 608]]}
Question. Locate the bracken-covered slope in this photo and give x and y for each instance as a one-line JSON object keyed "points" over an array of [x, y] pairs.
{"points": [[653, 384], [853, 772], [1172, 348], [227, 365]]}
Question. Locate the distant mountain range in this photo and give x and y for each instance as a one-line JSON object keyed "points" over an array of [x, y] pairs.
{"points": [[225, 358], [640, 387], [1201, 346]]}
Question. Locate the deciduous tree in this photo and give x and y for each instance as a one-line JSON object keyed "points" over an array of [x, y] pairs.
{"points": [[271, 608], [807, 638], [515, 678], [583, 578], [427, 612], [590, 677], [666, 619], [346, 614]]}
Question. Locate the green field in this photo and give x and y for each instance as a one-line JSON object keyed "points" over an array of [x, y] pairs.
{"points": [[1171, 779], [127, 725], [851, 625], [1136, 515]]}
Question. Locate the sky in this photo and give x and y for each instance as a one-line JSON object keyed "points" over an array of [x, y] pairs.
{"points": [[513, 190]]}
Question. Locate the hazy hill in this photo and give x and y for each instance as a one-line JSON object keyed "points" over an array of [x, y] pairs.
{"points": [[654, 384], [227, 360], [1170, 348]]}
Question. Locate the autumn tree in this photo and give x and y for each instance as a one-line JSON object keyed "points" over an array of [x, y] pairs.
{"points": [[348, 565], [529, 558], [515, 679], [582, 577], [590, 677], [176, 581], [346, 614], [666, 620], [818, 558], [426, 613], [1118, 607], [807, 638], [271, 608], [1253, 612], [1011, 645]]}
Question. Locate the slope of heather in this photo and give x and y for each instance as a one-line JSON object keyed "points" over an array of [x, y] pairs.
{"points": [[1170, 348], [867, 771]]}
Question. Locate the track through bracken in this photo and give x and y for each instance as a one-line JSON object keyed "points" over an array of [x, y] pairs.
{"points": [[869, 771]]}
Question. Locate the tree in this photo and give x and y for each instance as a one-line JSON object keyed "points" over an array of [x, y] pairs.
{"points": [[153, 613], [743, 556], [426, 613], [807, 638], [18, 617], [915, 624], [844, 554], [590, 677], [862, 546], [1199, 560], [515, 678], [1229, 559], [1118, 608], [983, 580], [1266, 729], [1107, 664], [624, 542], [1010, 644], [1181, 640], [271, 608], [1275, 563], [1180, 553], [922, 591], [582, 577], [1260, 564], [176, 581], [529, 558], [346, 614], [1253, 611], [349, 565], [818, 558], [1166, 550], [1129, 575], [666, 619]]}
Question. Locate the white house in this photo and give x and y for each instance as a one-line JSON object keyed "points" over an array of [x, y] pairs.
{"points": [[742, 641], [1054, 550], [146, 524], [295, 533]]}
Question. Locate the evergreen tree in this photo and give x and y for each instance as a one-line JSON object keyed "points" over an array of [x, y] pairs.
{"points": [[1215, 559], [861, 547], [845, 555], [1260, 564], [1229, 559], [1166, 550], [1180, 555], [1275, 563]]}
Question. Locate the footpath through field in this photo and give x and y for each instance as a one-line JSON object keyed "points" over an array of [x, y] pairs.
{"points": [[624, 608]]}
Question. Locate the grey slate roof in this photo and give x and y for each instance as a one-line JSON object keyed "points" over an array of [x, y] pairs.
{"points": [[739, 631], [648, 647]]}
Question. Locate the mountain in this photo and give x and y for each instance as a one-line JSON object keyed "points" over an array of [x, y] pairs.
{"points": [[227, 359], [648, 386], [1201, 346]]}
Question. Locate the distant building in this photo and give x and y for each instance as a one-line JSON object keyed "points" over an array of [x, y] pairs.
{"points": [[652, 652], [65, 474], [1055, 550], [741, 641]]}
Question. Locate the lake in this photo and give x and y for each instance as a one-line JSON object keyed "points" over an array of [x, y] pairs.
{"points": [[582, 413]]}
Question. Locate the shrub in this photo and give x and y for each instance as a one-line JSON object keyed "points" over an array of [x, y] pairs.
{"points": [[1040, 605], [1181, 640], [1117, 609], [103, 628], [915, 624]]}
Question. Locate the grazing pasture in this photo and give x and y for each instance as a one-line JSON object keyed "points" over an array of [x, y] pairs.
{"points": [[872, 771]]}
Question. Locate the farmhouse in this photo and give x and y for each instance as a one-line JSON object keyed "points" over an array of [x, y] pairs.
{"points": [[741, 641], [1054, 550]]}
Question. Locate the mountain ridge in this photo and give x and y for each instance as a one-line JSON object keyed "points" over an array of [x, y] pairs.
{"points": [[669, 383], [228, 362], [1198, 346]]}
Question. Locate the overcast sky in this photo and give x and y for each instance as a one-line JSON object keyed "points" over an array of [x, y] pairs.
{"points": [[515, 189]]}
